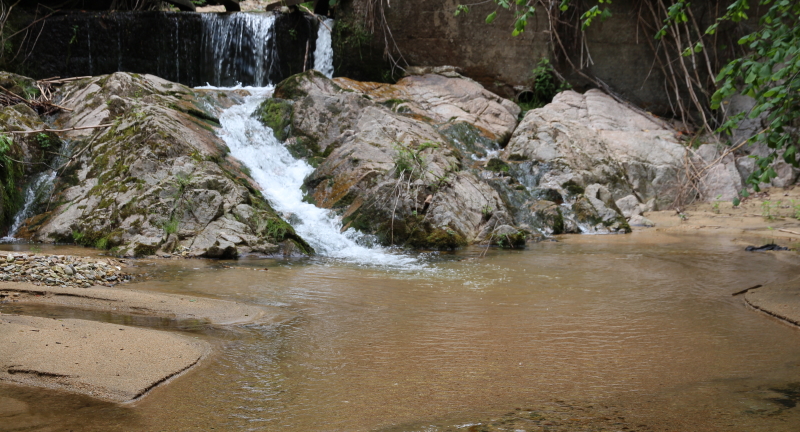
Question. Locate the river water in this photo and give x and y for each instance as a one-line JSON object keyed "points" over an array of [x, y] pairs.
{"points": [[638, 327]]}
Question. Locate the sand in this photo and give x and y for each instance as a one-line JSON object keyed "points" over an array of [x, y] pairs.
{"points": [[108, 361], [779, 300], [772, 216], [131, 301]]}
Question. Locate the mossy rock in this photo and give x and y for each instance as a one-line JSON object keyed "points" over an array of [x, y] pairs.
{"points": [[497, 165], [292, 88], [550, 215], [276, 114], [303, 147], [573, 188]]}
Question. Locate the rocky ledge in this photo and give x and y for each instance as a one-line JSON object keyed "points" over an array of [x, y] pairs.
{"points": [[61, 270], [434, 161], [143, 172]]}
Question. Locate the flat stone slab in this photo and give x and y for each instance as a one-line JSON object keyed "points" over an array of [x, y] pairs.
{"points": [[781, 300], [106, 361]]}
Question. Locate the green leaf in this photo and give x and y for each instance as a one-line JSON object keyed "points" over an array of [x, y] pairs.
{"points": [[491, 17], [736, 202]]}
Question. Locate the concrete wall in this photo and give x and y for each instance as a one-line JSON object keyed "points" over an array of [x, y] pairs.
{"points": [[427, 34]]}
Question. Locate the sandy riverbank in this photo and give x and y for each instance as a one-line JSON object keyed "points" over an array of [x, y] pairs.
{"points": [[772, 216], [108, 361]]}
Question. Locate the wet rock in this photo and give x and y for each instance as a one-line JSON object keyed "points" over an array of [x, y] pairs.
{"points": [[766, 247], [640, 221], [157, 178]]}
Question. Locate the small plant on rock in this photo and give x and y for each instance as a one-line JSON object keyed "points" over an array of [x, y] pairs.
{"points": [[715, 205], [410, 161]]}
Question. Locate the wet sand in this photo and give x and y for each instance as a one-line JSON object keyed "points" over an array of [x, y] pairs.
{"points": [[132, 301], [108, 361], [771, 216]]}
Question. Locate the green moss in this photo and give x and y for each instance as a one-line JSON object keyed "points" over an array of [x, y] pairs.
{"points": [[497, 165], [291, 88], [511, 241], [141, 250], [276, 114], [303, 147], [517, 157], [573, 188]]}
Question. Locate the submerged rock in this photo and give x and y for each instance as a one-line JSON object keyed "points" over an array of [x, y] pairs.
{"points": [[157, 178]]}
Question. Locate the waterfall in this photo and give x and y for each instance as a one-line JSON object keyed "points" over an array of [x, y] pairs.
{"points": [[323, 54], [41, 185], [281, 176], [240, 47]]}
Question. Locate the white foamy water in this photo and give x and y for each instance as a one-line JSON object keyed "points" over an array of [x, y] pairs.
{"points": [[239, 46], [281, 176], [323, 54]]}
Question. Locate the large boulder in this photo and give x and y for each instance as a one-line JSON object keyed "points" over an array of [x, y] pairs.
{"points": [[155, 178], [588, 152], [591, 138], [387, 157]]}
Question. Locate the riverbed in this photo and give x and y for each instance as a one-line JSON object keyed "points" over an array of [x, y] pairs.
{"points": [[637, 331]]}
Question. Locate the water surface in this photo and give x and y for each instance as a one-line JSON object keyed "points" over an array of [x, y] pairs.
{"points": [[642, 325]]}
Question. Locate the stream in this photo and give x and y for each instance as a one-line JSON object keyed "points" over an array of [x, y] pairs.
{"points": [[642, 327]]}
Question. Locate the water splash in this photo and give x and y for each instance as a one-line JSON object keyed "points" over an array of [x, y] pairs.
{"points": [[281, 176], [240, 47], [323, 54]]}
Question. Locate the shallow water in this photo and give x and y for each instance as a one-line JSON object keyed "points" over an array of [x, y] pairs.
{"points": [[642, 325]]}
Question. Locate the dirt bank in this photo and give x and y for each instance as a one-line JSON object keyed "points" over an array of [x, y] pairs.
{"points": [[769, 216]]}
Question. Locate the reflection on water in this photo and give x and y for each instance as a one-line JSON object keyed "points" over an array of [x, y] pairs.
{"points": [[641, 325]]}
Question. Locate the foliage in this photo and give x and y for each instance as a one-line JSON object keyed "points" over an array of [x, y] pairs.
{"points": [[524, 10], [545, 87], [171, 226], [10, 172], [407, 160], [768, 73]]}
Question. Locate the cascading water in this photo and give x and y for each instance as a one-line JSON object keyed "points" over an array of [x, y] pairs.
{"points": [[281, 176], [40, 186], [239, 47], [323, 54]]}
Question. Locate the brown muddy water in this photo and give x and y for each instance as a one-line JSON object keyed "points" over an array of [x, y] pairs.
{"points": [[636, 332]]}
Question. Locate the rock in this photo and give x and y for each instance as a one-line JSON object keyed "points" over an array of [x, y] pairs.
{"points": [[721, 180], [446, 98], [591, 138], [640, 221], [629, 206], [71, 271], [157, 178], [390, 167]]}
